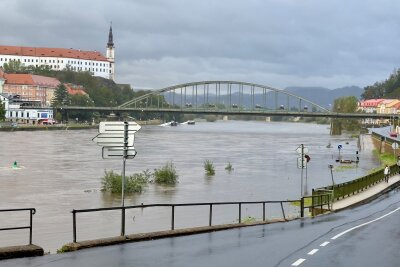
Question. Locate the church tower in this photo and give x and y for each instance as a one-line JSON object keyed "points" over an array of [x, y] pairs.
{"points": [[110, 53]]}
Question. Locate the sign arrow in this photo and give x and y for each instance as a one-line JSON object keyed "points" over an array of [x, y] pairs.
{"points": [[118, 152], [118, 127], [113, 140]]}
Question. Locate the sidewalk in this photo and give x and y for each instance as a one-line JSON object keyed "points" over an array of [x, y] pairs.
{"points": [[367, 194]]}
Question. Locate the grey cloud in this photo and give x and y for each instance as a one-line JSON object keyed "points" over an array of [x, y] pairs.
{"points": [[275, 42]]}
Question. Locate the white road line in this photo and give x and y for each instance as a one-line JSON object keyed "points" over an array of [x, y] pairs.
{"points": [[312, 252], [324, 244], [363, 224], [298, 262]]}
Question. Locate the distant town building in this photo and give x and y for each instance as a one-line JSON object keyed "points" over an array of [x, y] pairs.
{"points": [[379, 106], [16, 111], [31, 87], [62, 58]]}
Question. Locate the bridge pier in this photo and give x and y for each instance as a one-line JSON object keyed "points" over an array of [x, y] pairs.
{"points": [[225, 118], [268, 119]]}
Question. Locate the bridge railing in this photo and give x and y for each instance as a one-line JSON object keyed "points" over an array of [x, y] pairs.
{"points": [[173, 207], [32, 211]]}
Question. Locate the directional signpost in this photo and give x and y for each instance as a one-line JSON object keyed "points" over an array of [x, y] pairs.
{"points": [[302, 164], [117, 138]]}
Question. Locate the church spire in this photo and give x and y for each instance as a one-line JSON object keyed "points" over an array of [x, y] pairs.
{"points": [[110, 43]]}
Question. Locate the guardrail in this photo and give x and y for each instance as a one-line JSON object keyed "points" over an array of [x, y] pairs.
{"points": [[349, 188], [31, 212], [321, 201], [173, 206]]}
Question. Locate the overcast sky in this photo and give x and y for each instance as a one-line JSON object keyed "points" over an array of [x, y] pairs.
{"points": [[278, 43]]}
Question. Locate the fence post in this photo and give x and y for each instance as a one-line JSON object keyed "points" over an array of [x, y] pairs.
{"points": [[302, 207], [283, 211], [173, 218], [264, 211], [123, 221], [74, 225], [30, 227], [240, 212], [210, 217]]}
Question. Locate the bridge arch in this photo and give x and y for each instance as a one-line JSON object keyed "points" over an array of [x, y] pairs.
{"points": [[224, 95]]}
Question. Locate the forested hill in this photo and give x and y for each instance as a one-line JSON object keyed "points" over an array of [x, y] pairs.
{"points": [[389, 88]]}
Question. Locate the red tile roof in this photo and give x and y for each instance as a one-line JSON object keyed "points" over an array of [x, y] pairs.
{"points": [[51, 52], [25, 79], [75, 89], [29, 79]]}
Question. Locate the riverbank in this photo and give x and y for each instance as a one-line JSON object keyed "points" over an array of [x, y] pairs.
{"points": [[72, 126]]}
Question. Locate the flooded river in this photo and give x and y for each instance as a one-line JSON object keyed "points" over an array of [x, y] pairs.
{"points": [[62, 170]]}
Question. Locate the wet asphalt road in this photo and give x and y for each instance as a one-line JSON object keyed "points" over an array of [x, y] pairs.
{"points": [[367, 235]]}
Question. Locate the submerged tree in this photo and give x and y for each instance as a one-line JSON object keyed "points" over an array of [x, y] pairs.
{"points": [[346, 104]]}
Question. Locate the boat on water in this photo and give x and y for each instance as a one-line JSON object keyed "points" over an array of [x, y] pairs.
{"points": [[170, 123], [191, 122]]}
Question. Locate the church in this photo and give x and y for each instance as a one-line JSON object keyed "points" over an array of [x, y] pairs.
{"points": [[61, 58]]}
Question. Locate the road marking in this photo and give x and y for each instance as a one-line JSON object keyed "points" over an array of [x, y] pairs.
{"points": [[324, 244], [298, 262], [363, 224], [312, 252]]}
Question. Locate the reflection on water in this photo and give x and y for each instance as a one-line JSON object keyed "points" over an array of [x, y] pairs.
{"points": [[62, 171]]}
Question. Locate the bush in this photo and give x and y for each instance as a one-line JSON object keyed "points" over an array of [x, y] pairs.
{"points": [[166, 174], [229, 167], [209, 167], [112, 182]]}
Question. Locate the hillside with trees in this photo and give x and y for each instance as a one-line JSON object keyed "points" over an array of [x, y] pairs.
{"points": [[389, 88]]}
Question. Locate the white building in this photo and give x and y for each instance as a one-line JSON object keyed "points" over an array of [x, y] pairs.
{"points": [[15, 111], [61, 58]]}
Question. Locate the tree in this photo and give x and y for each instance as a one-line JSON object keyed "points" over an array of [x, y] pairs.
{"points": [[2, 112], [14, 66], [80, 101], [61, 97], [390, 88], [346, 104]]}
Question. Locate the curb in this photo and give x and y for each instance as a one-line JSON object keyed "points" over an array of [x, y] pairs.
{"points": [[20, 252], [157, 235]]}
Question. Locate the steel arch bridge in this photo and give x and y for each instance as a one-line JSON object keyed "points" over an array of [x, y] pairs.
{"points": [[223, 97]]}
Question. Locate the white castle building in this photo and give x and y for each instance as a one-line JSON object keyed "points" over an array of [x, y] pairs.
{"points": [[61, 58]]}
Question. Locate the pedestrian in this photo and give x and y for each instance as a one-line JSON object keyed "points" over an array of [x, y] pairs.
{"points": [[386, 173]]}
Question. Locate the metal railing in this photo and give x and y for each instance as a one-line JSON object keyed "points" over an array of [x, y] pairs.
{"points": [[31, 212], [322, 201], [349, 188], [173, 206]]}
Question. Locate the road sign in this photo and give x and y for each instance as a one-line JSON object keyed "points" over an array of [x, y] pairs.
{"points": [[395, 145], [108, 139], [301, 162], [339, 147], [118, 127], [305, 150], [118, 152]]}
